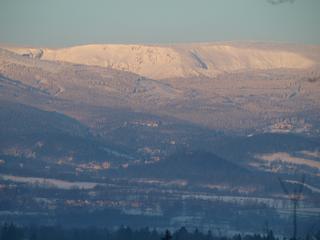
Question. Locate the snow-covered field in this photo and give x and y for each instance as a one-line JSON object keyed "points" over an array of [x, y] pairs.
{"points": [[287, 158], [50, 182]]}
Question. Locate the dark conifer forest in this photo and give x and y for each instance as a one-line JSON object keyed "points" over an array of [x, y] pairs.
{"points": [[10, 231]]}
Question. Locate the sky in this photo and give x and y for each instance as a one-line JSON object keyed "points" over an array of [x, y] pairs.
{"points": [[60, 23]]}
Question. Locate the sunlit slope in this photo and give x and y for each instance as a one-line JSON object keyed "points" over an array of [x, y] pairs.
{"points": [[175, 61], [273, 87]]}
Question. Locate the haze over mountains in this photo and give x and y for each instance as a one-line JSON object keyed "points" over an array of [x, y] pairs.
{"points": [[161, 132]]}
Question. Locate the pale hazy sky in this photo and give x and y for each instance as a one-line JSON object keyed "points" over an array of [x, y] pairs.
{"points": [[55, 23]]}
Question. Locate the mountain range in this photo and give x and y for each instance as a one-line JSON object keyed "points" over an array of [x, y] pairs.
{"points": [[161, 132]]}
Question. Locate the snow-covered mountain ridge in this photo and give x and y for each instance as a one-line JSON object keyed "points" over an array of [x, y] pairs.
{"points": [[179, 61]]}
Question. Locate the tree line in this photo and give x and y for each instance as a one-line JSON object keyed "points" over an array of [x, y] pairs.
{"points": [[14, 232]]}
